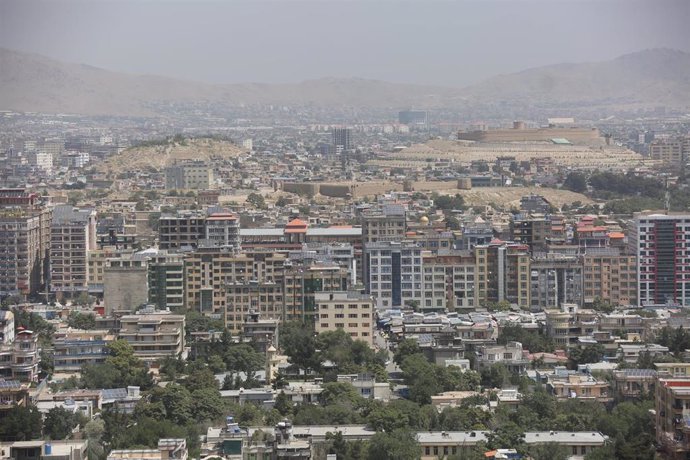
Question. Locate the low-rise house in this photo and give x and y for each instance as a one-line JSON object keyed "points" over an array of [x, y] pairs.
{"points": [[168, 449], [43, 450], [367, 386], [154, 335], [510, 355], [634, 383], [630, 353], [74, 348], [566, 384]]}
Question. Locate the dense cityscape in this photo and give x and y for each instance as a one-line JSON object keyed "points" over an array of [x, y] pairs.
{"points": [[453, 276]]}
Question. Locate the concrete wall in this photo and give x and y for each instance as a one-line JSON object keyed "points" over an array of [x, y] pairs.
{"points": [[124, 288]]}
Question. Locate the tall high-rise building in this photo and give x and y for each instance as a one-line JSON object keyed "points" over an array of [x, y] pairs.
{"points": [[24, 243], [341, 139], [72, 236], [393, 273], [671, 151], [503, 273], [223, 229], [166, 281], [662, 245]]}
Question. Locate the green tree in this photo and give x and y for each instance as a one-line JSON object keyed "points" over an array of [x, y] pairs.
{"points": [[448, 203], [243, 358], [257, 200], [201, 378], [298, 343], [576, 182], [547, 451], [21, 423], [207, 405], [81, 321], [283, 404], [404, 349], [495, 376], [398, 445], [59, 423]]}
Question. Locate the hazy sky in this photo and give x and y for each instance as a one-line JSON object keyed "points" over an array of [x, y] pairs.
{"points": [[421, 41]]}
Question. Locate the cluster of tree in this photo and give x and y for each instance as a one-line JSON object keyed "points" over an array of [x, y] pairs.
{"points": [[257, 200], [425, 379], [677, 340], [21, 423], [120, 369], [308, 353], [536, 341], [628, 424], [78, 320], [448, 202]]}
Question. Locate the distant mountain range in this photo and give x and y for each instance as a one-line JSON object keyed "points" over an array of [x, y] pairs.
{"points": [[32, 83]]}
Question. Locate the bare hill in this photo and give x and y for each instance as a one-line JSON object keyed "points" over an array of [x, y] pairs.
{"points": [[157, 157], [651, 77], [32, 83]]}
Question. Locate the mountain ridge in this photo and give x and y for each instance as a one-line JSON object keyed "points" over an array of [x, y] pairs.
{"points": [[34, 83]]}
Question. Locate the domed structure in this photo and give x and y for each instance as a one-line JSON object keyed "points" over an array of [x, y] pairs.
{"points": [[424, 220]]}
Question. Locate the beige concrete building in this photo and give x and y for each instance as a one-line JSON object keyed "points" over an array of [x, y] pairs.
{"points": [[610, 277], [669, 151], [350, 311], [24, 243], [385, 225], [197, 175], [208, 271], [168, 449], [154, 335], [503, 273], [72, 236], [245, 298], [124, 283]]}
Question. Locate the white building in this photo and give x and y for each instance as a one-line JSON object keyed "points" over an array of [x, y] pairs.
{"points": [[393, 273]]}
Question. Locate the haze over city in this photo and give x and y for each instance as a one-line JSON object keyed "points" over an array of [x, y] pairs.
{"points": [[345, 230], [452, 43]]}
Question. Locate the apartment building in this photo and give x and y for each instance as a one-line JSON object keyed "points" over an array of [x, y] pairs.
{"points": [[385, 224], [183, 229], [302, 283], [24, 243], [209, 270], [245, 298], [610, 276], [96, 262], [660, 242], [74, 348], [154, 335], [350, 311], [165, 276], [531, 229], [669, 151], [393, 273], [124, 283], [72, 236], [223, 229], [449, 280], [555, 279], [672, 409], [196, 175], [20, 357], [503, 273], [567, 324]]}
